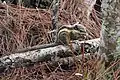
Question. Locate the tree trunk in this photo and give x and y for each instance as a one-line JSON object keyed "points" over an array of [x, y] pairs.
{"points": [[110, 33]]}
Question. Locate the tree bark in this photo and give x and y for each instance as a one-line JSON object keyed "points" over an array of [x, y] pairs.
{"points": [[110, 33], [40, 55]]}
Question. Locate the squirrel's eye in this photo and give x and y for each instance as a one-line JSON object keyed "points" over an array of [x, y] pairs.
{"points": [[76, 27]]}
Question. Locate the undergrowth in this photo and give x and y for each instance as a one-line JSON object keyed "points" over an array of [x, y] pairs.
{"points": [[21, 27]]}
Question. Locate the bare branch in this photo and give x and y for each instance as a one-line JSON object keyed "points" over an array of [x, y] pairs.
{"points": [[40, 55]]}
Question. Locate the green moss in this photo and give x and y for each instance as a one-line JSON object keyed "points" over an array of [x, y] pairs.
{"points": [[118, 40]]}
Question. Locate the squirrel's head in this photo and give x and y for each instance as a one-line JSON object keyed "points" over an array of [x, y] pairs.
{"points": [[79, 31], [80, 28]]}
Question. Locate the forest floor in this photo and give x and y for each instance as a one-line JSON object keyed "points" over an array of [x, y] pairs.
{"points": [[21, 27]]}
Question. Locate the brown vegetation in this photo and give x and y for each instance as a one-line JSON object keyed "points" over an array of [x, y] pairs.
{"points": [[21, 27]]}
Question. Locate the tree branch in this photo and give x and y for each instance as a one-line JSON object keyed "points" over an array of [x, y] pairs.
{"points": [[40, 55]]}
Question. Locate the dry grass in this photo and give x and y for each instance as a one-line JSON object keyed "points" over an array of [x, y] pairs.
{"points": [[21, 27]]}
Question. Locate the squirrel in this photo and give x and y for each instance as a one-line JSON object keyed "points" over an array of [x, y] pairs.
{"points": [[65, 34]]}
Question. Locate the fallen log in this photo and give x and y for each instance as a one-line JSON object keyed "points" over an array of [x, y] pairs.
{"points": [[40, 55], [71, 60]]}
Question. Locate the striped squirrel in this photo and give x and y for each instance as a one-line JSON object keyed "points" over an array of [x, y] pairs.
{"points": [[65, 34]]}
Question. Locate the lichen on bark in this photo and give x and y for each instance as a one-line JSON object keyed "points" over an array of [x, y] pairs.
{"points": [[110, 32]]}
